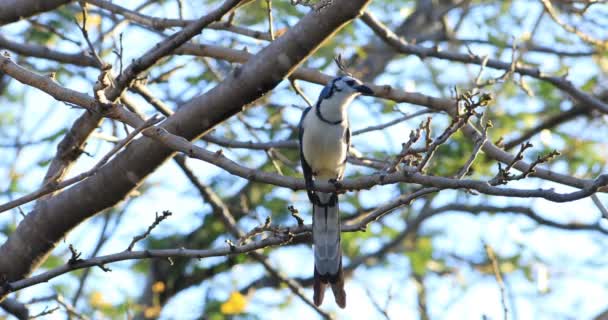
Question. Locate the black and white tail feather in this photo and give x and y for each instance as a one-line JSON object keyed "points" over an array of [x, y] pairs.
{"points": [[324, 143], [328, 250]]}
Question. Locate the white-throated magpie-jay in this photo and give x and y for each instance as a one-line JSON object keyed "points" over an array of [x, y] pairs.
{"points": [[324, 145]]}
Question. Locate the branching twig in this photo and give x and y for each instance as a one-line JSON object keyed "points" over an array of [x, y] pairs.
{"points": [[75, 255], [433, 144], [270, 23], [51, 187], [296, 215], [44, 312], [503, 176], [34, 50], [402, 46], [223, 213], [156, 222], [146, 254], [405, 150], [161, 23], [585, 37], [266, 227], [85, 34], [476, 148]]}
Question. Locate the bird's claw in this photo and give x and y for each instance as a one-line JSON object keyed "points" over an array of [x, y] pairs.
{"points": [[337, 184]]}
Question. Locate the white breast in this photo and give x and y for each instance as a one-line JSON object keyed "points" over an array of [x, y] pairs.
{"points": [[324, 146]]}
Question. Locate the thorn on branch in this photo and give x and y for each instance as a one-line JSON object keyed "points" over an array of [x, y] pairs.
{"points": [[75, 258], [104, 268], [157, 221]]}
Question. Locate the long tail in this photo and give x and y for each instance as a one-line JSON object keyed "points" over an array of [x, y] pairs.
{"points": [[328, 252]]}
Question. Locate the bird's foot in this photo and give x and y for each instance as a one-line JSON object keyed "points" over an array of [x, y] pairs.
{"points": [[337, 184]]}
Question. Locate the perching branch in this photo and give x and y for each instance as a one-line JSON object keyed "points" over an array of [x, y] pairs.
{"points": [[423, 52]]}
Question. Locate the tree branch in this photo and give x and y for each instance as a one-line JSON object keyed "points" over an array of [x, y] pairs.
{"points": [[15, 10], [422, 52], [30, 243], [38, 51]]}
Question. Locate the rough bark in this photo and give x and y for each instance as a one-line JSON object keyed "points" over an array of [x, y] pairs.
{"points": [[15, 10]]}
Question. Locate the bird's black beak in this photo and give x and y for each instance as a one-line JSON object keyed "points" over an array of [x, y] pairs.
{"points": [[364, 90]]}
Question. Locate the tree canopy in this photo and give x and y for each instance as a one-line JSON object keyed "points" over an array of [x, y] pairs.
{"points": [[150, 165]]}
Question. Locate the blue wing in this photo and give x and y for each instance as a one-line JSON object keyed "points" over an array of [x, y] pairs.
{"points": [[305, 166]]}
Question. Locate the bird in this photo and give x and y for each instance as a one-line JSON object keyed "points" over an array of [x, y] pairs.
{"points": [[324, 136]]}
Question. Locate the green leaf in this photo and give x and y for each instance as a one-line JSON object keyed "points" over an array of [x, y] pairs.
{"points": [[421, 255], [52, 262]]}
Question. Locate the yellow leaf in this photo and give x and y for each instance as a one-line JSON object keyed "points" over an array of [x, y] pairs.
{"points": [[152, 312], [235, 304], [158, 287], [96, 300], [93, 20]]}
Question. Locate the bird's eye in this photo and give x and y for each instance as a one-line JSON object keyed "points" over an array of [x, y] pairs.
{"points": [[350, 82]]}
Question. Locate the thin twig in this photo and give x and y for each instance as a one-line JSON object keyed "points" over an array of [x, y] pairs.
{"points": [[383, 126], [44, 312], [499, 280], [598, 203], [402, 46], [51, 187], [270, 23], [476, 149], [85, 34], [156, 222], [382, 310], [585, 37], [298, 90]]}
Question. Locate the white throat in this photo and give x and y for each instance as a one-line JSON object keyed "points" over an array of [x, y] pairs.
{"points": [[334, 108]]}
